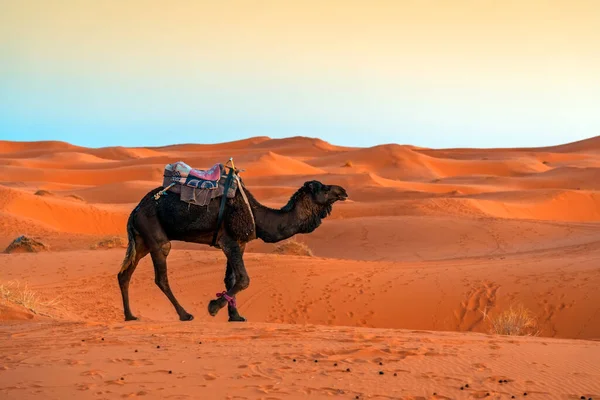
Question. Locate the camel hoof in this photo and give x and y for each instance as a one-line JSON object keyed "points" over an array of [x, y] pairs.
{"points": [[186, 317], [214, 306], [237, 318], [131, 318]]}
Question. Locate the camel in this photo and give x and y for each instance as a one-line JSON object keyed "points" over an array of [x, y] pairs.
{"points": [[159, 219]]}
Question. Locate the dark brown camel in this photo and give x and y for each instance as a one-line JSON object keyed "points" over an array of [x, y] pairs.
{"points": [[154, 223]]}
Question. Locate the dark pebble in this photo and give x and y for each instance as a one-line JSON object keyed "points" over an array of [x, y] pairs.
{"points": [[103, 339], [199, 342], [462, 388], [582, 397], [380, 363], [434, 393], [487, 394], [335, 365], [294, 360], [170, 372], [505, 381], [83, 340], [380, 372], [467, 385], [122, 378], [500, 381], [525, 394], [395, 374], [513, 397], [136, 351], [316, 360], [347, 369], [356, 397], [158, 347]]}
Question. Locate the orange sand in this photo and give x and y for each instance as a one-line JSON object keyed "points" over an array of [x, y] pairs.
{"points": [[430, 240]]}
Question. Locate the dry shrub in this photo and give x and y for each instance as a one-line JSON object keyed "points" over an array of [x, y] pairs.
{"points": [[348, 164], [43, 193], [12, 292], [293, 248], [24, 244], [516, 321], [110, 243]]}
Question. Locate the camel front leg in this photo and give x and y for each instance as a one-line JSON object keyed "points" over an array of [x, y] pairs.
{"points": [[232, 310], [236, 280]]}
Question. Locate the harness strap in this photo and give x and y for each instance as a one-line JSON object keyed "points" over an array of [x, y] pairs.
{"points": [[222, 208], [241, 188]]}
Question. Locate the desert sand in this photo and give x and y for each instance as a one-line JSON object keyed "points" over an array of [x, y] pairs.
{"points": [[396, 301]]}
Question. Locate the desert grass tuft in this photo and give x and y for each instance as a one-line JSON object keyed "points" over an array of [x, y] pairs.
{"points": [[14, 293], [515, 321], [293, 247]]}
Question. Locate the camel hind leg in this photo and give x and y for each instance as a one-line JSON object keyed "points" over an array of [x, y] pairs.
{"points": [[159, 259], [129, 265]]}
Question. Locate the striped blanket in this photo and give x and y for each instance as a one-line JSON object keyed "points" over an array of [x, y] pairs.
{"points": [[197, 186], [181, 173]]}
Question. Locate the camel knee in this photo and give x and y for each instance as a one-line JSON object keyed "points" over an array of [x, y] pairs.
{"points": [[165, 248], [229, 281], [243, 282]]}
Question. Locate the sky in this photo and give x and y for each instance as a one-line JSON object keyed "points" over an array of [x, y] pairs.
{"points": [[358, 73]]}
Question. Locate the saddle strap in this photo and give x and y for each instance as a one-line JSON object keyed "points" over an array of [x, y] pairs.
{"points": [[222, 208], [241, 187]]}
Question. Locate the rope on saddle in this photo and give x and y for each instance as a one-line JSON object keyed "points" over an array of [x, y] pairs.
{"points": [[230, 300], [222, 208], [157, 195]]}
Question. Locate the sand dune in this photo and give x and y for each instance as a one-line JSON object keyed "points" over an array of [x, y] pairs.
{"points": [[122, 153], [129, 192], [299, 146], [410, 272], [273, 164], [590, 145], [85, 177], [62, 215], [15, 148], [403, 163], [243, 144]]}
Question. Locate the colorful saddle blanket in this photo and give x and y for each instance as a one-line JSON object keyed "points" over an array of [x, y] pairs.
{"points": [[181, 173], [197, 186]]}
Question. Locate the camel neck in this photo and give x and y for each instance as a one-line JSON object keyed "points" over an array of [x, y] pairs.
{"points": [[275, 225]]}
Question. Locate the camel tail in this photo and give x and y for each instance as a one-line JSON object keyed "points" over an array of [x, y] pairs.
{"points": [[130, 253]]}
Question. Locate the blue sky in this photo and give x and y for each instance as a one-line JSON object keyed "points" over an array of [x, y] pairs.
{"points": [[132, 74]]}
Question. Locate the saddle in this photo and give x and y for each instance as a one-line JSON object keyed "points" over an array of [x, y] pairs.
{"points": [[181, 173], [197, 186]]}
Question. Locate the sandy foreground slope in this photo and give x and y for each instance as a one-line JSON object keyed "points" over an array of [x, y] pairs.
{"points": [[433, 246]]}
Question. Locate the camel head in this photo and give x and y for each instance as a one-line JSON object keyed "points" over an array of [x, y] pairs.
{"points": [[325, 195], [303, 213]]}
